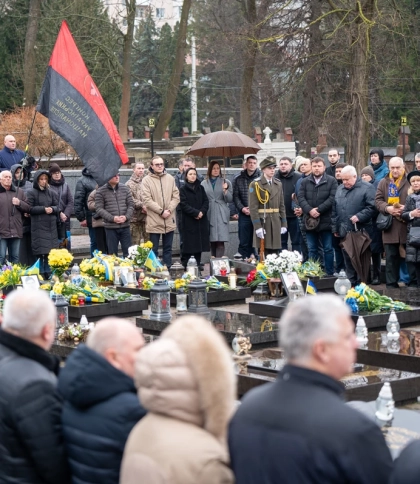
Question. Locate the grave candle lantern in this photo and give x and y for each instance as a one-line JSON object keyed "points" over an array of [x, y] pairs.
{"points": [[160, 301], [62, 307], [197, 297]]}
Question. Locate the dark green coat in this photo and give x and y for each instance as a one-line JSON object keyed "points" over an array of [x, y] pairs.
{"points": [[273, 221]]}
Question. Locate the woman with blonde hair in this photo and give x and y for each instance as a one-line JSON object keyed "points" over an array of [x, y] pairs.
{"points": [[186, 382]]}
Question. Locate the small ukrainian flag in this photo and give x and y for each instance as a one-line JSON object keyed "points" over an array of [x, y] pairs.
{"points": [[311, 288], [33, 270], [152, 262]]}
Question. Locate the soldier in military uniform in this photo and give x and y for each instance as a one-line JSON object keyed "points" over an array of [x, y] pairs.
{"points": [[266, 206]]}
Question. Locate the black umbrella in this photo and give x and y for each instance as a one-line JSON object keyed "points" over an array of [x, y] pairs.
{"points": [[357, 245]]}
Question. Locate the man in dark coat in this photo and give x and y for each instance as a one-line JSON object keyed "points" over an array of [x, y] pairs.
{"points": [[31, 442], [288, 177], [334, 159], [266, 206], [84, 187], [101, 405], [353, 209], [240, 198], [12, 206], [298, 429], [115, 205], [9, 155], [316, 199]]}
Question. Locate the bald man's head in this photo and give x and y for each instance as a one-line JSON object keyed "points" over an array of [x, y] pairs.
{"points": [[118, 341], [10, 142]]}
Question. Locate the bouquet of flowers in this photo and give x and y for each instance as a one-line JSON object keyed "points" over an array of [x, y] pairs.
{"points": [[310, 268], [98, 265], [59, 260], [10, 275], [286, 261], [139, 253], [363, 298]]}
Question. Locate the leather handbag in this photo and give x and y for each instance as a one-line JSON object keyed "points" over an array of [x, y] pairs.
{"points": [[384, 222], [311, 223], [413, 237]]}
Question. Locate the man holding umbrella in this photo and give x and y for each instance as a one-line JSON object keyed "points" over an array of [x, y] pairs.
{"points": [[266, 206], [353, 209]]}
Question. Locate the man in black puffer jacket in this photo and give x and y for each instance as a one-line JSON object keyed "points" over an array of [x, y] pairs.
{"points": [[115, 205], [240, 198], [101, 403], [31, 441], [316, 199], [84, 187], [354, 208], [288, 177]]}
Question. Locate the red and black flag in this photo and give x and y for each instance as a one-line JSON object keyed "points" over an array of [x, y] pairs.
{"points": [[76, 111]]}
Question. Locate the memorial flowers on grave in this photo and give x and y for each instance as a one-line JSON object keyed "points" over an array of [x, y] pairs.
{"points": [[273, 266], [139, 253], [87, 291], [59, 260], [10, 275], [101, 266], [309, 269], [363, 298]]}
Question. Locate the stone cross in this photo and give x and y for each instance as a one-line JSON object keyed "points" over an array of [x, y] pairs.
{"points": [[267, 131]]}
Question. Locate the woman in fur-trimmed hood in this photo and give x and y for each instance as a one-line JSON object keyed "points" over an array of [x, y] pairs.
{"points": [[186, 382]]}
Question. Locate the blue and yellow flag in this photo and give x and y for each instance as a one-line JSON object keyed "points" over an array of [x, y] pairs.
{"points": [[152, 262], [311, 288], [34, 269], [109, 273]]}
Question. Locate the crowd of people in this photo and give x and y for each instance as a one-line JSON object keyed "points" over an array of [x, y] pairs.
{"points": [[300, 204], [166, 413]]}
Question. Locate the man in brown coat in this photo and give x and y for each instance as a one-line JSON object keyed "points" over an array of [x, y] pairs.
{"points": [[266, 206], [390, 199], [12, 205], [138, 220], [161, 197]]}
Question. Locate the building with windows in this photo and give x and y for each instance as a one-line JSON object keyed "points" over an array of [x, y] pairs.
{"points": [[163, 11]]}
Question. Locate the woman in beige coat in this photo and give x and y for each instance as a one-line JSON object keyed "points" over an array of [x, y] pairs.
{"points": [[186, 382]]}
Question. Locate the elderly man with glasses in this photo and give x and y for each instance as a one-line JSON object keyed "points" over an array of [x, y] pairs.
{"points": [[161, 197], [115, 205]]}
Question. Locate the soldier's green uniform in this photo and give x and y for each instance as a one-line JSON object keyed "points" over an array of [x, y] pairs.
{"points": [[270, 215]]}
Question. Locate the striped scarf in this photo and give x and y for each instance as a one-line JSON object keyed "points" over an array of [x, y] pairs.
{"points": [[393, 190]]}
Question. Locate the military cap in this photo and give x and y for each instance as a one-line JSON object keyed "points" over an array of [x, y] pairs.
{"points": [[269, 161]]}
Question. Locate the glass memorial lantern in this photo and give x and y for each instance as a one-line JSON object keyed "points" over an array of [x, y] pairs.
{"points": [[160, 307], [62, 307], [192, 267], [393, 320], [262, 293], [197, 297], [176, 271], [232, 278], [342, 284], [181, 302]]}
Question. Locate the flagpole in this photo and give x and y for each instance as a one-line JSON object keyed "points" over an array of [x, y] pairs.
{"points": [[307, 285], [29, 134]]}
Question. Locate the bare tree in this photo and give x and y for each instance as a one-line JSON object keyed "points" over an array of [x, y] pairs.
{"points": [[29, 72], [173, 86]]}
